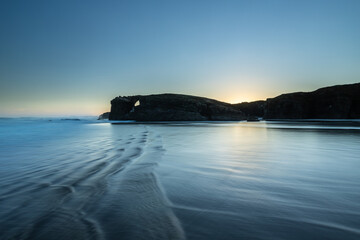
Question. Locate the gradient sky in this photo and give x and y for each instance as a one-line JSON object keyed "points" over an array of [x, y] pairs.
{"points": [[72, 57]]}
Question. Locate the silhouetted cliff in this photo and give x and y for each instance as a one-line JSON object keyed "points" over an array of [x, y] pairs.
{"points": [[252, 109], [172, 107], [104, 116], [336, 102]]}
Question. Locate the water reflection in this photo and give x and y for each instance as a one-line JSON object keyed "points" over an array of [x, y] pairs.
{"points": [[263, 180]]}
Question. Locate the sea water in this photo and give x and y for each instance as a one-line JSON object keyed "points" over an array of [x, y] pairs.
{"points": [[87, 179]]}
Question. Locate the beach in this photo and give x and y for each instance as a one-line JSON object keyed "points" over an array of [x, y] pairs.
{"points": [[87, 179]]}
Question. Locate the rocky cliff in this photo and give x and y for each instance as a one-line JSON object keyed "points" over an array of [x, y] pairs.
{"points": [[172, 107], [104, 116], [336, 102], [252, 109]]}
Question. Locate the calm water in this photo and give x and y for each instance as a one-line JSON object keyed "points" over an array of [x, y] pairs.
{"points": [[95, 180]]}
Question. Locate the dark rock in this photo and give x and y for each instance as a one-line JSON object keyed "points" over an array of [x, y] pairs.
{"points": [[70, 119], [172, 107], [252, 109], [336, 102], [252, 119], [104, 116]]}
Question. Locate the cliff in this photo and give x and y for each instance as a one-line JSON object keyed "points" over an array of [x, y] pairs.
{"points": [[336, 102], [104, 116], [252, 109], [172, 107]]}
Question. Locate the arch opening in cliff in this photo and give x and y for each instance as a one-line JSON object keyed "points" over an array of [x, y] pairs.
{"points": [[136, 104]]}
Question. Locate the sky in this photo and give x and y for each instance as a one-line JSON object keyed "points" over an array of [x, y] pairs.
{"points": [[72, 57]]}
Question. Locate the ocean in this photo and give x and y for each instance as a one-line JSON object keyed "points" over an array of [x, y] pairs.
{"points": [[87, 179]]}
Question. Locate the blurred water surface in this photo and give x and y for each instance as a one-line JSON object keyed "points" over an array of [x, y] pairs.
{"points": [[70, 179]]}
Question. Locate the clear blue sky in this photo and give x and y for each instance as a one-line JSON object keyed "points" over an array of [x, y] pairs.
{"points": [[73, 57]]}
